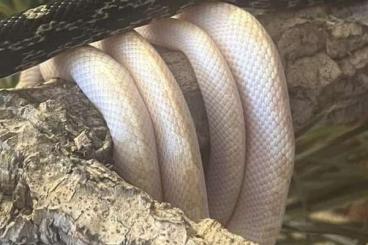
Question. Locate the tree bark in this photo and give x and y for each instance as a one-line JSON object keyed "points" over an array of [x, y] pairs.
{"points": [[56, 182], [57, 187]]}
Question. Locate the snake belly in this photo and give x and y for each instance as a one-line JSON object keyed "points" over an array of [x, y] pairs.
{"points": [[257, 68], [244, 89]]}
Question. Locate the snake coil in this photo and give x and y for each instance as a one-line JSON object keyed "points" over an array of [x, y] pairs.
{"points": [[240, 76]]}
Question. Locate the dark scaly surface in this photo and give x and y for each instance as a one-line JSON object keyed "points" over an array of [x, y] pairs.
{"points": [[40, 33], [62, 24]]}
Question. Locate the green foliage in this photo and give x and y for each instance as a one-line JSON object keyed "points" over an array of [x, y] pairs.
{"points": [[10, 7], [331, 173], [9, 82]]}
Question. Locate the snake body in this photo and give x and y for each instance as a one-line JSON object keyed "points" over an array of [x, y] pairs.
{"points": [[257, 68], [178, 148], [122, 107], [244, 90], [33, 36], [240, 77], [225, 170], [29, 78]]}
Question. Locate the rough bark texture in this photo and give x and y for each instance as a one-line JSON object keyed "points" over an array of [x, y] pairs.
{"points": [[56, 182], [57, 187], [325, 55]]}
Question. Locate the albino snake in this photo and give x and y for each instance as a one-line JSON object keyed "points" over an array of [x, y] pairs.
{"points": [[155, 146]]}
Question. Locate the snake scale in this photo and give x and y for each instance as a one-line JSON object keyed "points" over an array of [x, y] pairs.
{"points": [[155, 147], [40, 33]]}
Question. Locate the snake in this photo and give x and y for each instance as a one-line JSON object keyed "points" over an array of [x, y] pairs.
{"points": [[241, 79], [37, 34]]}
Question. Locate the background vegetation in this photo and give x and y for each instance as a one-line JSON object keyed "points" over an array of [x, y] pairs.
{"points": [[328, 202], [10, 7]]}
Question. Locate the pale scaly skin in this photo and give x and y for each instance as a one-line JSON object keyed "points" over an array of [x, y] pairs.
{"points": [[257, 69], [112, 90], [179, 155], [255, 64], [30, 78], [225, 171]]}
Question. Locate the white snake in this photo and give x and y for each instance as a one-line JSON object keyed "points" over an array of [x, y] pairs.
{"points": [[242, 82]]}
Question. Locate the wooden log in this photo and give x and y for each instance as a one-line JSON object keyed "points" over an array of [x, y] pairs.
{"points": [[57, 187]]}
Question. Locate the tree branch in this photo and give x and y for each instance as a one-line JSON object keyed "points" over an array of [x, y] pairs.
{"points": [[57, 188], [55, 181]]}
